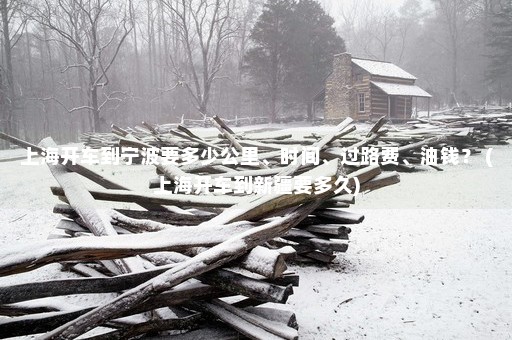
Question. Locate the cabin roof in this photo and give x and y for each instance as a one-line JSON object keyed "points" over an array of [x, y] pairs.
{"points": [[401, 90], [382, 68]]}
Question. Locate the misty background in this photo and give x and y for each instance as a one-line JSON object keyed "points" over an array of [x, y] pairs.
{"points": [[71, 66]]}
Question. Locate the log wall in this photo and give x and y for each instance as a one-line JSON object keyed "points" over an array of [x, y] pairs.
{"points": [[345, 84]]}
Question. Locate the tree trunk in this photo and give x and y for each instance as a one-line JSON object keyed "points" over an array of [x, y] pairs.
{"points": [[309, 106], [9, 77], [500, 92], [150, 43], [80, 97], [3, 144], [274, 85], [273, 104], [93, 100], [202, 109], [52, 110], [41, 133], [150, 32], [95, 109], [454, 69], [140, 83], [29, 60]]}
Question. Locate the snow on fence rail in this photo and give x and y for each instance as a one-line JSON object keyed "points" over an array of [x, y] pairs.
{"points": [[237, 121], [178, 256], [178, 261]]}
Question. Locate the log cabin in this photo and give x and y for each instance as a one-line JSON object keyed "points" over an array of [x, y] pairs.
{"points": [[365, 89]]}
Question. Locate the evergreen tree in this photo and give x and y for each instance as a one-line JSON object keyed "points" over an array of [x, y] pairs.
{"points": [[313, 43], [293, 43], [499, 72], [266, 59]]}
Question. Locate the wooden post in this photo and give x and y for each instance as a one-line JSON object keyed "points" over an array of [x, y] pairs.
{"points": [[416, 108], [389, 107], [405, 108], [428, 108]]}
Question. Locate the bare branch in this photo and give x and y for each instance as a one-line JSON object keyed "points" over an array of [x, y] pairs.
{"points": [[74, 109]]}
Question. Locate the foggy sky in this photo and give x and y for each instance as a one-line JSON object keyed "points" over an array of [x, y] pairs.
{"points": [[333, 6]]}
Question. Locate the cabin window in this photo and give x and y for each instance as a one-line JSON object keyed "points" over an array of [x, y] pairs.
{"points": [[360, 100]]}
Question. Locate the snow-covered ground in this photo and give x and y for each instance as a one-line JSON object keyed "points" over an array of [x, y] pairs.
{"points": [[431, 260]]}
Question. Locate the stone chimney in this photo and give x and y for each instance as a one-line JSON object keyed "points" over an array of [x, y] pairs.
{"points": [[339, 93]]}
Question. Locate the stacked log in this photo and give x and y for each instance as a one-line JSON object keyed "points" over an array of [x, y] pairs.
{"points": [[486, 129], [464, 129], [192, 265], [200, 266]]}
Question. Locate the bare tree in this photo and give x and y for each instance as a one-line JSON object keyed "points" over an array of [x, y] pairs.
{"points": [[408, 20], [375, 31], [13, 24], [133, 21], [247, 14], [454, 16], [349, 14], [384, 32], [96, 30], [204, 28]]}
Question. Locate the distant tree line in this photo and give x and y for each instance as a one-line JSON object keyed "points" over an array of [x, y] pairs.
{"points": [[70, 66], [461, 50]]}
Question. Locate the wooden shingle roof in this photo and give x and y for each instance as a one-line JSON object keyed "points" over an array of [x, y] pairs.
{"points": [[382, 68]]}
